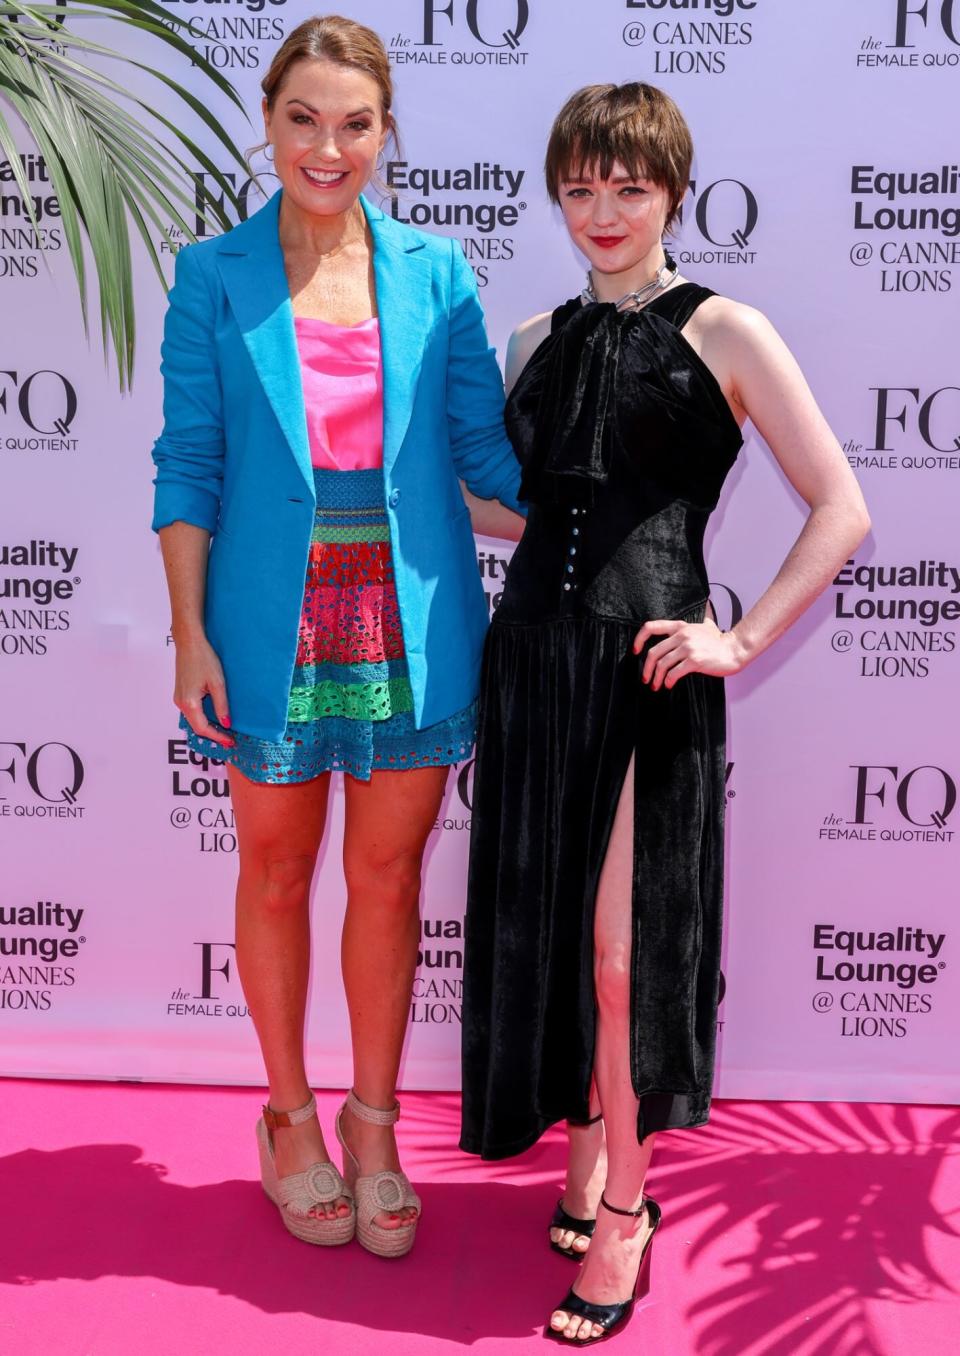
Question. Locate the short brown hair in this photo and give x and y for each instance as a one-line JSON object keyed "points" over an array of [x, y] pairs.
{"points": [[635, 124], [329, 37]]}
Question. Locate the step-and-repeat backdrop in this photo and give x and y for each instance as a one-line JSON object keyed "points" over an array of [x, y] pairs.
{"points": [[826, 191]]}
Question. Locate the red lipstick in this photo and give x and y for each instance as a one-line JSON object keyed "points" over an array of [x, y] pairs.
{"points": [[607, 242]]}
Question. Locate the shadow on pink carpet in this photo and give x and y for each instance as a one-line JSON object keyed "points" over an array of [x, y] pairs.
{"points": [[789, 1230]]}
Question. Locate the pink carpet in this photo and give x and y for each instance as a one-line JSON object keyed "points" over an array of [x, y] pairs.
{"points": [[133, 1224]]}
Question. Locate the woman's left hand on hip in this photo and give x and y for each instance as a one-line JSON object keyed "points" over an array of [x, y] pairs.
{"points": [[687, 647]]}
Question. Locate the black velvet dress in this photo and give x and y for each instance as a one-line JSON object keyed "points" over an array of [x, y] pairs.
{"points": [[625, 439]]}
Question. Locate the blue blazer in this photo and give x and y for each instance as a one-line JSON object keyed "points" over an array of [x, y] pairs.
{"points": [[234, 456]]}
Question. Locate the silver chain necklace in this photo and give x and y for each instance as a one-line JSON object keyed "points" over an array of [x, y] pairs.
{"points": [[664, 276]]}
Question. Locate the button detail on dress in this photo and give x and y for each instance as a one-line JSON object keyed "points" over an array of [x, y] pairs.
{"points": [[566, 588], [394, 499]]}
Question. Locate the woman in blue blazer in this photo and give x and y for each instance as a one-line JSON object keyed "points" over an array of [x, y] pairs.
{"points": [[327, 386]]}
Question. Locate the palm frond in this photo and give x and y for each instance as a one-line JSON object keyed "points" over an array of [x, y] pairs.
{"points": [[112, 157]]}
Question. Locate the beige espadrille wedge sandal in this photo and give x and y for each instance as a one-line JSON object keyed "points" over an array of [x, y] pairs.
{"points": [[380, 1191], [300, 1192]]}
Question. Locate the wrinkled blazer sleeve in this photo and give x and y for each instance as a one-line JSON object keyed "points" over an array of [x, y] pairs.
{"points": [[189, 452], [482, 453]]}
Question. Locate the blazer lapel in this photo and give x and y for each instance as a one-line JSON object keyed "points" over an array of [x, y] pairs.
{"points": [[403, 275], [251, 266]]}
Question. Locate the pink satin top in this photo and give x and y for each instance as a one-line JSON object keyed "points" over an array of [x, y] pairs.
{"points": [[343, 393]]}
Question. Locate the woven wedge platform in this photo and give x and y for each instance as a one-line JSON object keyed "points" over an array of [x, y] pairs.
{"points": [[300, 1192], [379, 1191]]}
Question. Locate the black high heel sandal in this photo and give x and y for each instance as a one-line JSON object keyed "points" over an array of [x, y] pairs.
{"points": [[610, 1317], [561, 1220]]}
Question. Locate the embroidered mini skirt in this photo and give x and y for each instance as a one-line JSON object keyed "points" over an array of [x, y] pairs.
{"points": [[351, 704]]}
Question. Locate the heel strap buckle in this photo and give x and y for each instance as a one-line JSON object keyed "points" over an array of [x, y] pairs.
{"points": [[282, 1120], [615, 1210]]}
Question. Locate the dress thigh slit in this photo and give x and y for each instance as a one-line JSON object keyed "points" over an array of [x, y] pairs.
{"points": [[565, 709]]}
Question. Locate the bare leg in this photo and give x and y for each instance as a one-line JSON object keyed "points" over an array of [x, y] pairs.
{"points": [[586, 1174], [388, 820], [610, 1269], [279, 830]]}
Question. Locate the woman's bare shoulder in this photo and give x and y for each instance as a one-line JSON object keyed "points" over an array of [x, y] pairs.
{"points": [[723, 318]]}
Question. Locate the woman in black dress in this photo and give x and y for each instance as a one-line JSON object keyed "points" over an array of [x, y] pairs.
{"points": [[596, 877]]}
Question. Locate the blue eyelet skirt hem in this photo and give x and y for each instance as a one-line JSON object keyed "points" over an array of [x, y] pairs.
{"points": [[333, 744]]}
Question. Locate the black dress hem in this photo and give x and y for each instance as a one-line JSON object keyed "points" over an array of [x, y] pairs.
{"points": [[469, 1144]]}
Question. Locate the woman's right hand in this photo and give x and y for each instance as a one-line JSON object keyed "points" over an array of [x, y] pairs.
{"points": [[199, 674]]}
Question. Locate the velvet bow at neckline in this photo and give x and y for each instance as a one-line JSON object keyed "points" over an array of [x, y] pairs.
{"points": [[606, 382], [569, 456]]}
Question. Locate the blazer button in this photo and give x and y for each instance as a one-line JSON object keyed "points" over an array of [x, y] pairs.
{"points": [[394, 499]]}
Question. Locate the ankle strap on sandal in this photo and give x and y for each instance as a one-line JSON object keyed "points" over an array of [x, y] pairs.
{"points": [[615, 1210], [372, 1114], [282, 1120]]}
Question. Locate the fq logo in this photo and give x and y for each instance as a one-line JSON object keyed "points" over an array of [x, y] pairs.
{"points": [[465, 783], [207, 192], [912, 16], [727, 607], [462, 791], [215, 959], [937, 415], [210, 954], [924, 796], [53, 772], [45, 400], [726, 212], [483, 20]]}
